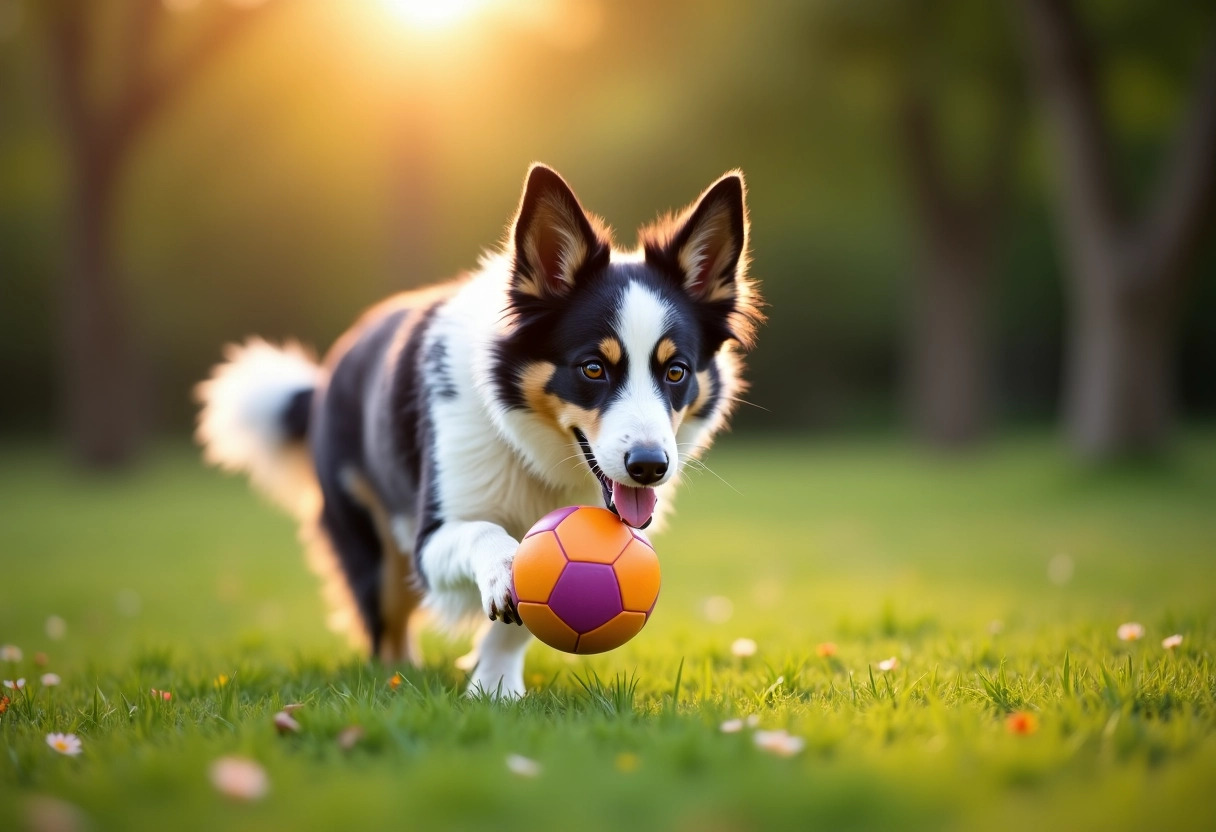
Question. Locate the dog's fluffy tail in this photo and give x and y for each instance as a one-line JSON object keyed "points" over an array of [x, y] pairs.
{"points": [[254, 418]]}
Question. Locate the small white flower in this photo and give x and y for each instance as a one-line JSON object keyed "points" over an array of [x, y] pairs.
{"points": [[49, 680], [743, 647], [1171, 642], [523, 766], [68, 744], [731, 726], [890, 664], [11, 653], [239, 778], [1131, 631], [780, 743], [17, 685]]}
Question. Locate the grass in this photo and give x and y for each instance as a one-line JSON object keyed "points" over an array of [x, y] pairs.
{"points": [[996, 580]]}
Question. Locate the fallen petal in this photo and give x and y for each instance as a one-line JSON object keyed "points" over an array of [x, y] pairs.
{"points": [[523, 766], [239, 778], [349, 737], [780, 743]]}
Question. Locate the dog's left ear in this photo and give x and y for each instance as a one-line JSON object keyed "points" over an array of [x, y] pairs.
{"points": [[554, 239], [706, 245]]}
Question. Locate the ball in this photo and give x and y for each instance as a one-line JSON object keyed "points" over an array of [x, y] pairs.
{"points": [[583, 581]]}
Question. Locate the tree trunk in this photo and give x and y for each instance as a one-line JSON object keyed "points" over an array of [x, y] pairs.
{"points": [[1126, 273], [1119, 377], [98, 404], [947, 351]]}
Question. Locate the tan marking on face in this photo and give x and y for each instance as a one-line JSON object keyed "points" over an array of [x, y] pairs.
{"points": [[703, 383], [610, 348], [665, 350], [561, 415]]}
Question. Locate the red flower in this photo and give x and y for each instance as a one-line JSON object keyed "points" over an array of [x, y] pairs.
{"points": [[1022, 722]]}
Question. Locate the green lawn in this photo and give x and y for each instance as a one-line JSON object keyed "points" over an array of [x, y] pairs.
{"points": [[997, 581]]}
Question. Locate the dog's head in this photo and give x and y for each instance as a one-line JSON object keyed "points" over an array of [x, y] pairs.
{"points": [[622, 355]]}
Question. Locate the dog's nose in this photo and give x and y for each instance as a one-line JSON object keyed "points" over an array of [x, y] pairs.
{"points": [[647, 464]]}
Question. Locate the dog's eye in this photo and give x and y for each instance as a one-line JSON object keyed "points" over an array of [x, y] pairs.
{"points": [[593, 370], [676, 373]]}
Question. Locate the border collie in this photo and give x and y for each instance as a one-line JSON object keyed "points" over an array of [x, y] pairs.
{"points": [[446, 421]]}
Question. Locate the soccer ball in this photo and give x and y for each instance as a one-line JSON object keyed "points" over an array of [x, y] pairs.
{"points": [[583, 581]]}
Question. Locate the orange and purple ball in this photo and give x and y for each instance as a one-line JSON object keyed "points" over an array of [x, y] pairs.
{"points": [[583, 581]]}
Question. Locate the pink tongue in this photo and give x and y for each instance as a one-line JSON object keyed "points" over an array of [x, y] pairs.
{"points": [[634, 505]]}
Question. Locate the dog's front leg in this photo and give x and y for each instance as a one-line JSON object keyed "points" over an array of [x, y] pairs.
{"points": [[460, 556]]}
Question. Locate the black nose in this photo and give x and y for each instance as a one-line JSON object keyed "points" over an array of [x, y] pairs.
{"points": [[647, 465]]}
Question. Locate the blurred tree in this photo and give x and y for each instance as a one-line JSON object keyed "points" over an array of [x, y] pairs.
{"points": [[954, 104], [1127, 272], [99, 393]]}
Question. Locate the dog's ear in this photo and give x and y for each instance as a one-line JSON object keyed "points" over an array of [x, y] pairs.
{"points": [[705, 246], [554, 239], [704, 250]]}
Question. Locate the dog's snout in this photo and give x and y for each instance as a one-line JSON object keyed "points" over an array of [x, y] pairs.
{"points": [[646, 465]]}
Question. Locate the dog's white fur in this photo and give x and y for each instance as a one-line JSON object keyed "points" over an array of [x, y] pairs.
{"points": [[240, 426]]}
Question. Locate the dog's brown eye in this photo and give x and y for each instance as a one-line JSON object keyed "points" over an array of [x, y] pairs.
{"points": [[676, 373], [593, 370]]}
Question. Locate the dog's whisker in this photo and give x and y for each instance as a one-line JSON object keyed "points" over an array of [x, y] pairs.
{"points": [[746, 402]]}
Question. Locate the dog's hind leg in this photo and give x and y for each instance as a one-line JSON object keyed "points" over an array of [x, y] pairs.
{"points": [[357, 548], [399, 596]]}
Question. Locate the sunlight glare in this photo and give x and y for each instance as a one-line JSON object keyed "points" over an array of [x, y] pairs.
{"points": [[434, 15]]}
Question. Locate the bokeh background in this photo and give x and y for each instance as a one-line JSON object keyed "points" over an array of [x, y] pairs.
{"points": [[967, 217], [981, 437]]}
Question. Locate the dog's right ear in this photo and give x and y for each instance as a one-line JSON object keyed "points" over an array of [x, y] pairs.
{"points": [[554, 239]]}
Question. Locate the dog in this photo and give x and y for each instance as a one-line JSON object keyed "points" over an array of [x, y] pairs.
{"points": [[448, 420]]}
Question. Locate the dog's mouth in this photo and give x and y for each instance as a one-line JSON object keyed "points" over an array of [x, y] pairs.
{"points": [[635, 506]]}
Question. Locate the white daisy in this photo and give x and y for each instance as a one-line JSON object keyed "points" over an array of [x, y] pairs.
{"points": [[1131, 631], [743, 647], [68, 744]]}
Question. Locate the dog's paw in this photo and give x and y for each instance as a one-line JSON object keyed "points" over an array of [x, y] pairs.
{"points": [[496, 597]]}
